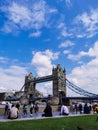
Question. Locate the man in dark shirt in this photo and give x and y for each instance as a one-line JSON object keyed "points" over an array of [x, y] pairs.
{"points": [[47, 111]]}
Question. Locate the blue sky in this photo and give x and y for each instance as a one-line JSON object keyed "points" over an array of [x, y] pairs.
{"points": [[36, 35]]}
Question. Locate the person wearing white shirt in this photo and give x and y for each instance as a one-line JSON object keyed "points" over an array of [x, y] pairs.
{"points": [[13, 113], [64, 110]]}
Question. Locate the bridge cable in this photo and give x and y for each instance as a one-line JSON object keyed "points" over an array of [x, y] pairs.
{"points": [[77, 89]]}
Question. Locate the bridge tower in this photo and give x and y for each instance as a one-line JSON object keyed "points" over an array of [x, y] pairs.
{"points": [[59, 81], [29, 86]]}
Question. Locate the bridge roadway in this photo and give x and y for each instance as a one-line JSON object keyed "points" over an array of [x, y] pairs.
{"points": [[38, 115]]}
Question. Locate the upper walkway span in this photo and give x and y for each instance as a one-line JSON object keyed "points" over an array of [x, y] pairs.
{"points": [[42, 79]]}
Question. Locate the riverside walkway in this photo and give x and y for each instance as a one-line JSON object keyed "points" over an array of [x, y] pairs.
{"points": [[37, 115], [3, 118]]}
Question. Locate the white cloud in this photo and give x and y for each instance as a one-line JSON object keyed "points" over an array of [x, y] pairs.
{"points": [[2, 89], [88, 23], [60, 25], [43, 61], [26, 17], [92, 52], [86, 76], [19, 14], [63, 29], [66, 44], [65, 32], [15, 70], [3, 59], [66, 52], [12, 77], [53, 10], [68, 3], [10, 27], [73, 57], [35, 34], [83, 25], [45, 88]]}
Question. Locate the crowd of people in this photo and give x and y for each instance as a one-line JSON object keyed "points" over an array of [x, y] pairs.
{"points": [[13, 110], [82, 108]]}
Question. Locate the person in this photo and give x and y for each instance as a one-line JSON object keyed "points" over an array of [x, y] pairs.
{"points": [[6, 109], [86, 109], [64, 110], [80, 108], [13, 114], [76, 108], [17, 105], [47, 111], [9, 107], [31, 108], [25, 109], [36, 108]]}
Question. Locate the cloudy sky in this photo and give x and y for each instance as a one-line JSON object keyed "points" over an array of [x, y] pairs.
{"points": [[36, 35]]}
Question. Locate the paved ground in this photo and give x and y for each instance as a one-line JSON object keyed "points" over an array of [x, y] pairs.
{"points": [[36, 116], [28, 116]]}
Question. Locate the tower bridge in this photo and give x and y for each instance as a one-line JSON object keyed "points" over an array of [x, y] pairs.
{"points": [[59, 82], [31, 81]]}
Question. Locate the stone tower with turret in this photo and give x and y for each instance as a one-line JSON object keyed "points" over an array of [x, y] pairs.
{"points": [[59, 81], [29, 86]]}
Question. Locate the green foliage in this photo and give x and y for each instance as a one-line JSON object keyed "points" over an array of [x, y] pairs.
{"points": [[64, 123]]}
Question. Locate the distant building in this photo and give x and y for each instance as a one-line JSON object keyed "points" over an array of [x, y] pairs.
{"points": [[4, 95]]}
